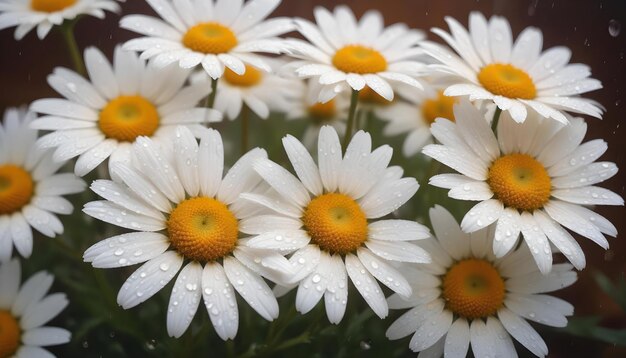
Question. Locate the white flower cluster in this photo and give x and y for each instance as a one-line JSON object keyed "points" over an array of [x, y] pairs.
{"points": [[495, 110]]}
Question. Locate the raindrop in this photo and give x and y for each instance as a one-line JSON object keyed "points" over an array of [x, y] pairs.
{"points": [[614, 27]]}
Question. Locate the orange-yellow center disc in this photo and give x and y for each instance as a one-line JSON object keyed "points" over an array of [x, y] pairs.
{"points": [[210, 37], [10, 334], [440, 106], [336, 223], [127, 117], [203, 229], [359, 59], [16, 188], [473, 289], [50, 5], [507, 80], [520, 181], [251, 77]]}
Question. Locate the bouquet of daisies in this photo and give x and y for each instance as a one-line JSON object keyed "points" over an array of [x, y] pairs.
{"points": [[191, 217]]}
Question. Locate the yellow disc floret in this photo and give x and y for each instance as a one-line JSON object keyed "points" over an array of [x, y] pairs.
{"points": [[507, 80], [10, 334], [368, 95], [202, 229], [335, 223], [520, 181], [359, 59], [50, 5], [251, 77], [323, 112], [16, 188], [473, 288], [128, 117], [210, 37], [440, 106]]}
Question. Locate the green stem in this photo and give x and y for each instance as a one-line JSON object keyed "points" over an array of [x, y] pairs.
{"points": [[67, 29], [353, 102], [210, 100], [496, 119], [245, 124]]}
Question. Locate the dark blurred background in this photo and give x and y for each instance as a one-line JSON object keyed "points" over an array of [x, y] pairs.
{"points": [[595, 31]]}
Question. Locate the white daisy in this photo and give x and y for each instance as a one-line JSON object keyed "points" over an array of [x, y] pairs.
{"points": [[25, 310], [328, 217], [466, 297], [513, 75], [317, 114], [216, 34], [259, 91], [414, 116], [182, 211], [102, 118], [43, 14], [344, 54], [535, 177], [30, 191]]}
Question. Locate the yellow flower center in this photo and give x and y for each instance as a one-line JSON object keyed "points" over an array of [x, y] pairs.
{"points": [[473, 289], [251, 77], [323, 112], [336, 223], [10, 334], [359, 59], [128, 117], [16, 188], [367, 95], [507, 80], [203, 229], [210, 37], [520, 181], [50, 5], [441, 106]]}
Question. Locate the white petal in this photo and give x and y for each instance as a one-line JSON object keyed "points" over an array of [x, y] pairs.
{"points": [[589, 195], [482, 215], [261, 224], [33, 352], [42, 221], [397, 230], [101, 73], [463, 162], [149, 279], [184, 300], [94, 157], [63, 108], [124, 197], [32, 291], [458, 339], [252, 288], [564, 214], [186, 152], [507, 232], [390, 196], [126, 249], [431, 331], [448, 233], [46, 336], [285, 241], [583, 155], [156, 166], [537, 242], [303, 164], [241, 177], [329, 157], [304, 261], [142, 187], [561, 239], [22, 235], [384, 272], [220, 301], [210, 162], [312, 288], [282, 181], [591, 174], [398, 251], [43, 311], [117, 215], [336, 295], [533, 308], [523, 332], [560, 277], [367, 286]]}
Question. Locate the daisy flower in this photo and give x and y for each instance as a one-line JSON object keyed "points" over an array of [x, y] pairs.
{"points": [[317, 114], [344, 53], [467, 296], [329, 217], [30, 190], [101, 118], [183, 213], [43, 14], [259, 91], [414, 116], [513, 75], [215, 34], [25, 310], [534, 178]]}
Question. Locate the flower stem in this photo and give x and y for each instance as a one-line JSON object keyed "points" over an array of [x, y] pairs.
{"points": [[496, 119], [353, 102], [245, 123], [210, 100], [67, 29]]}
